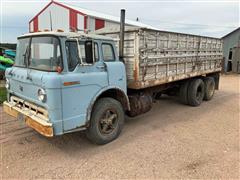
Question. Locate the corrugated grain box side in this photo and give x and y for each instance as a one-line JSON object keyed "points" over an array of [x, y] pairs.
{"points": [[157, 57]]}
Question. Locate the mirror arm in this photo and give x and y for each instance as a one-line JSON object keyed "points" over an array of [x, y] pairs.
{"points": [[93, 52], [79, 52]]}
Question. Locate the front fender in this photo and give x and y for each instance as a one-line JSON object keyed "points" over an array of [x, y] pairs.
{"points": [[99, 93]]}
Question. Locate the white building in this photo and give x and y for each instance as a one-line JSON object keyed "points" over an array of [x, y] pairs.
{"points": [[68, 18]]}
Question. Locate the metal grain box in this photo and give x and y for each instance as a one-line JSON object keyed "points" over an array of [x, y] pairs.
{"points": [[156, 57]]}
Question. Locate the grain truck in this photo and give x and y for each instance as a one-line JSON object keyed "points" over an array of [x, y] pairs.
{"points": [[67, 82]]}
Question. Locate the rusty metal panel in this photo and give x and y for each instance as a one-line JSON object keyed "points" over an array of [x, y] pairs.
{"points": [[32, 120], [157, 57]]}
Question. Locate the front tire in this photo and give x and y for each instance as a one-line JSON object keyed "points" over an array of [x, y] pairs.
{"points": [[106, 122]]}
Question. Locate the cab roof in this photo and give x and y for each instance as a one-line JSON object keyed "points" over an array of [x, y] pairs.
{"points": [[67, 35]]}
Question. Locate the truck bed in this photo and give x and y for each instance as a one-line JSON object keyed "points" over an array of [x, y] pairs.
{"points": [[156, 57]]}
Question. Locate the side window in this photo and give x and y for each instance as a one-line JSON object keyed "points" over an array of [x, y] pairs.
{"points": [[89, 52], [86, 52], [108, 53], [72, 54]]}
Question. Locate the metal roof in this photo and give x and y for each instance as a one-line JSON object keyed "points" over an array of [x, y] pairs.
{"points": [[231, 32], [109, 17], [96, 14]]}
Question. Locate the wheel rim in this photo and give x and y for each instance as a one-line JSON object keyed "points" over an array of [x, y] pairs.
{"points": [[108, 121]]}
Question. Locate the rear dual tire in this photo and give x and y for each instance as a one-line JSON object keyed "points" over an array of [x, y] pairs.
{"points": [[209, 85], [183, 93], [194, 91]]}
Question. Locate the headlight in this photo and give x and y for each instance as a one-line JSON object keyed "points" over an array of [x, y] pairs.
{"points": [[7, 84], [42, 96]]}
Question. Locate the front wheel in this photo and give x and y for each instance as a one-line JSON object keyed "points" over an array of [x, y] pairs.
{"points": [[106, 122]]}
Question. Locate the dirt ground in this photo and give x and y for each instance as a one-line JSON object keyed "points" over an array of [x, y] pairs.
{"points": [[170, 141]]}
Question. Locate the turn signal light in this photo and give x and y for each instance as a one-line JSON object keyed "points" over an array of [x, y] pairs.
{"points": [[71, 83]]}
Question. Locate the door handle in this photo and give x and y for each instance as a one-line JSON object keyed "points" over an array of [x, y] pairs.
{"points": [[101, 67], [120, 79]]}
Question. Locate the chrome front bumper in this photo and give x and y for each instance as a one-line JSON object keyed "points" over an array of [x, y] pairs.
{"points": [[33, 119]]}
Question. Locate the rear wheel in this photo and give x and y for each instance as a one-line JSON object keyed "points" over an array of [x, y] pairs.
{"points": [[107, 121], [183, 92], [209, 84], [158, 96], [195, 92]]}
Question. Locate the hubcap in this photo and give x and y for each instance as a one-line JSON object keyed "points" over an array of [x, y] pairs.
{"points": [[108, 121]]}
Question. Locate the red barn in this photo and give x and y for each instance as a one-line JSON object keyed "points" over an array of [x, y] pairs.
{"points": [[68, 18]]}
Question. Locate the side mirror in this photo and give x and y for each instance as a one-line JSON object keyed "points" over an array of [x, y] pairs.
{"points": [[89, 52]]}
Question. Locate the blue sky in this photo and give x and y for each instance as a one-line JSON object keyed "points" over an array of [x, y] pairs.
{"points": [[211, 18]]}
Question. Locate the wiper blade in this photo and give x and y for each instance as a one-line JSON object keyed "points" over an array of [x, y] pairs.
{"points": [[26, 55]]}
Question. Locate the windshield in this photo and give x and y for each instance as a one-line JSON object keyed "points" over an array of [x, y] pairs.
{"points": [[44, 53], [22, 46]]}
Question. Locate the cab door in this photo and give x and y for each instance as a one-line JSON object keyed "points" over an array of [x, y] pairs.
{"points": [[85, 77], [115, 68]]}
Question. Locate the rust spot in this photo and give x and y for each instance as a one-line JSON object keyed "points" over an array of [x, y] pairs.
{"points": [[135, 72], [167, 79], [9, 111], [139, 104], [44, 130], [135, 75], [134, 85]]}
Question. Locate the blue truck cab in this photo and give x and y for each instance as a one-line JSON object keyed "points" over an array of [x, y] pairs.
{"points": [[66, 82]]}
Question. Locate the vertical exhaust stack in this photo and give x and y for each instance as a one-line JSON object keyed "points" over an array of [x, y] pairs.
{"points": [[122, 29]]}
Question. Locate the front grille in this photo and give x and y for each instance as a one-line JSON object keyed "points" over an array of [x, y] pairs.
{"points": [[27, 106]]}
